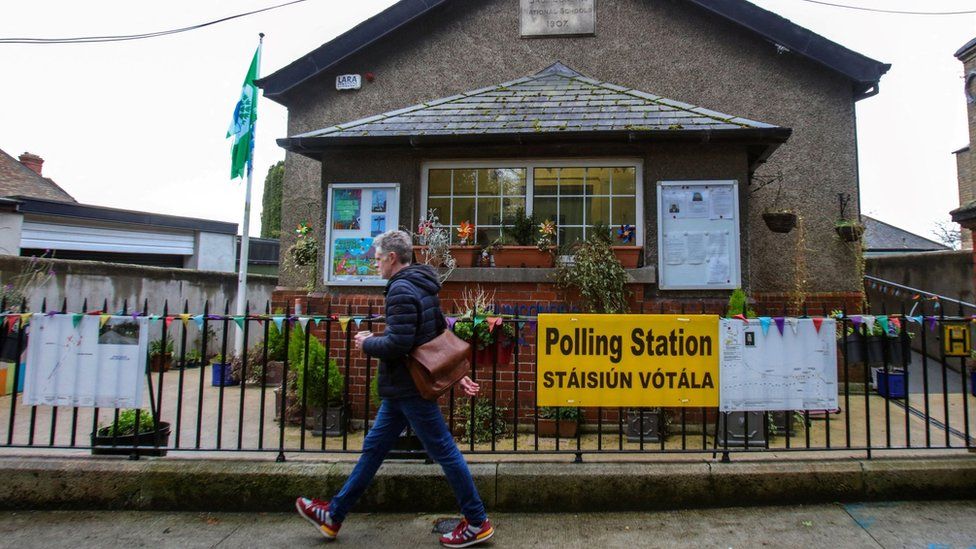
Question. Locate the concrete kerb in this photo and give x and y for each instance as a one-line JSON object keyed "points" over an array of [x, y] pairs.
{"points": [[248, 486]]}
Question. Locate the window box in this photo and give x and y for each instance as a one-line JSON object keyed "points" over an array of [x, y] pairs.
{"points": [[524, 256], [628, 256], [466, 256]]}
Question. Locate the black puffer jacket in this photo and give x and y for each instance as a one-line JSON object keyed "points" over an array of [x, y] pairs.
{"points": [[412, 319]]}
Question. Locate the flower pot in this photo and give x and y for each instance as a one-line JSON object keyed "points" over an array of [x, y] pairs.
{"points": [[780, 421], [149, 443], [567, 428], [420, 256], [524, 256], [486, 356], [222, 375], [161, 363], [293, 408], [274, 371], [972, 383], [628, 256], [780, 222], [736, 435], [653, 425], [891, 384], [466, 256], [335, 421], [849, 233]]}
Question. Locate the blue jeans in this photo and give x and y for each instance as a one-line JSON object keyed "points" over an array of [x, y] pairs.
{"points": [[426, 420]]}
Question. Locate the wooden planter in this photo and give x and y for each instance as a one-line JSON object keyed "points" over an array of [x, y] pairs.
{"points": [[628, 256], [161, 363], [524, 256], [149, 443], [849, 233], [567, 428], [465, 256], [780, 222]]}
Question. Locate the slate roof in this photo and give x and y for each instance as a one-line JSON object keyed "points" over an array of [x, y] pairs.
{"points": [[862, 70], [557, 100], [17, 179], [881, 236]]}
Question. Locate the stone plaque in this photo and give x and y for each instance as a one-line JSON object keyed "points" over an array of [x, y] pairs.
{"points": [[557, 17]]}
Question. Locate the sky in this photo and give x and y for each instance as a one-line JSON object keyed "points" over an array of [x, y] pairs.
{"points": [[141, 125]]}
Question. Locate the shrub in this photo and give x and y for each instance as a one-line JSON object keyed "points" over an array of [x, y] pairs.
{"points": [[483, 431], [126, 424], [596, 274], [317, 360]]}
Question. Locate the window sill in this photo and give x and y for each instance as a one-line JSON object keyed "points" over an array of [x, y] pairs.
{"points": [[643, 275]]}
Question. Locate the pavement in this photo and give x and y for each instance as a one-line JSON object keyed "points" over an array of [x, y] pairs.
{"points": [[928, 525]]}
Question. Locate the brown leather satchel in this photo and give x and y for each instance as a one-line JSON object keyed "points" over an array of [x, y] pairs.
{"points": [[438, 364]]}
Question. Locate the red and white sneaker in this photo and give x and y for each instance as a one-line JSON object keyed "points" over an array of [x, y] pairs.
{"points": [[316, 511], [466, 535]]}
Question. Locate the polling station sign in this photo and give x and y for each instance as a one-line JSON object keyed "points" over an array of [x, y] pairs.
{"points": [[627, 360]]}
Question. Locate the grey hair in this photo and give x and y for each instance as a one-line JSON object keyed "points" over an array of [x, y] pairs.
{"points": [[397, 242]]}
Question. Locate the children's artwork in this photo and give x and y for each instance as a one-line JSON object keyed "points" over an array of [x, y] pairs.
{"points": [[377, 224], [353, 257], [379, 202], [346, 205]]}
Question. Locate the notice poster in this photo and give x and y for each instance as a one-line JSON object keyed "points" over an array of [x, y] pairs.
{"points": [[697, 204], [353, 257], [346, 205], [86, 361], [379, 202], [377, 225], [723, 207]]}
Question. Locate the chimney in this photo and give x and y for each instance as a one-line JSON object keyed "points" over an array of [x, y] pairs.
{"points": [[32, 161]]}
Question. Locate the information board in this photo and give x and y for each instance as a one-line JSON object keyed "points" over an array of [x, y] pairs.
{"points": [[778, 364], [86, 360], [698, 235], [356, 214]]}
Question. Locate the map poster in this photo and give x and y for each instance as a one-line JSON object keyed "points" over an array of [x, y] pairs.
{"points": [[86, 361], [353, 257], [346, 205]]}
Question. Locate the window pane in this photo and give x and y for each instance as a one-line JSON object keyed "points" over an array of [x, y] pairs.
{"points": [[464, 182], [569, 235], [597, 210], [545, 181], [489, 211], [441, 207], [624, 181], [571, 211], [571, 181], [463, 211], [597, 181], [487, 182], [512, 181], [484, 237], [624, 211], [439, 182], [510, 207], [545, 209]]}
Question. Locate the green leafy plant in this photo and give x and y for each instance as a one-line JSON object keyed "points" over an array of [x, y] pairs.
{"points": [[126, 424], [522, 231], [17, 289], [158, 347], [192, 356], [739, 305], [476, 306], [317, 360], [276, 343], [568, 413], [484, 431], [596, 274]]}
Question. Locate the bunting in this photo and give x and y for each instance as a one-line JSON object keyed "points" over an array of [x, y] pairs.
{"points": [[277, 321], [451, 320], [239, 320], [186, 319], [344, 322], [817, 322], [76, 319], [932, 323], [493, 322], [12, 322], [358, 321], [780, 323], [303, 322], [168, 321], [764, 322], [102, 319], [883, 320], [199, 321], [868, 323], [792, 323], [25, 318]]}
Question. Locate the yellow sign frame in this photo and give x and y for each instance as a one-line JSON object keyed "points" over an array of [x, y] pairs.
{"points": [[956, 340], [627, 360]]}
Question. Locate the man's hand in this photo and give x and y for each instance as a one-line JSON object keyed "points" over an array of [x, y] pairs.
{"points": [[469, 387], [360, 337]]}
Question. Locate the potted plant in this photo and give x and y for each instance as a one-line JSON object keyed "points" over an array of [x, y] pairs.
{"points": [[653, 420], [433, 243], [526, 244], [495, 340], [849, 231], [304, 253], [562, 421], [192, 359], [160, 355], [778, 219], [627, 253], [480, 424], [312, 388], [465, 253], [273, 370], [121, 435], [222, 374], [597, 275]]}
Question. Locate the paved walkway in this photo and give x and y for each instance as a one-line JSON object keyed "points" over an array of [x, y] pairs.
{"points": [[928, 525]]}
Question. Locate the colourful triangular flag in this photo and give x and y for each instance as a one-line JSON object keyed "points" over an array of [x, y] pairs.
{"points": [[199, 321], [12, 322], [303, 322], [932, 323], [76, 319], [817, 322], [102, 319], [277, 321], [185, 317], [780, 323], [168, 321], [792, 323], [868, 323], [493, 322], [25, 319], [358, 321], [883, 321], [344, 322], [239, 320], [764, 321]]}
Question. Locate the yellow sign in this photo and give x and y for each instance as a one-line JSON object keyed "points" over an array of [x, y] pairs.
{"points": [[955, 339], [627, 360]]}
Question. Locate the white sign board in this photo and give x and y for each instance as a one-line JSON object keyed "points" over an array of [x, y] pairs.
{"points": [[84, 362], [698, 235], [761, 368], [349, 82], [358, 213], [557, 17]]}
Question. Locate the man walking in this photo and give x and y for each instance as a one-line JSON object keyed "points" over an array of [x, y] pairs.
{"points": [[413, 317]]}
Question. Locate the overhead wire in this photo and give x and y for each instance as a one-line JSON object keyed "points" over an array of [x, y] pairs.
{"points": [[127, 37], [896, 12]]}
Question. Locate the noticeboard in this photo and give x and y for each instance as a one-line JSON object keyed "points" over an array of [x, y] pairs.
{"points": [[356, 214], [698, 235]]}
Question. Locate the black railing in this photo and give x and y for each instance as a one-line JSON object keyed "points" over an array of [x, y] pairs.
{"points": [[291, 369]]}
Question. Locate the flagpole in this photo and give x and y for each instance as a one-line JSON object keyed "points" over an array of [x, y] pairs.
{"points": [[245, 236]]}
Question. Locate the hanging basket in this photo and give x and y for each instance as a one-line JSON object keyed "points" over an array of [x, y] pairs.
{"points": [[780, 222], [849, 232]]}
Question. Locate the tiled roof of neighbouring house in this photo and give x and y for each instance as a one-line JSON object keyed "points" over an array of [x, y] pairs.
{"points": [[557, 99], [879, 235], [17, 179]]}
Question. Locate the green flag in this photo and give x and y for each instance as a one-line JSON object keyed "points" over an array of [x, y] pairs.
{"points": [[245, 118]]}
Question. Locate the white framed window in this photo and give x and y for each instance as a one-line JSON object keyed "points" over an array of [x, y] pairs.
{"points": [[577, 194]]}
